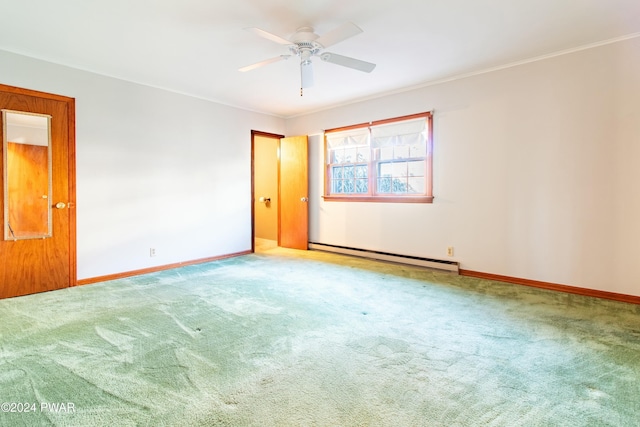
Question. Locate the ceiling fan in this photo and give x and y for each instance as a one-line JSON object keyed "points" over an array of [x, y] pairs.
{"points": [[305, 44]]}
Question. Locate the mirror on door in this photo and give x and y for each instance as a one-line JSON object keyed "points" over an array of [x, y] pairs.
{"points": [[26, 167]]}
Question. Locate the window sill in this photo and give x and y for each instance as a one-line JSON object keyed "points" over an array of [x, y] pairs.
{"points": [[380, 199]]}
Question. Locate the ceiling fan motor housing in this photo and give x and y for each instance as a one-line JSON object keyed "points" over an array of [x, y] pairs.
{"points": [[305, 50], [303, 34], [304, 45]]}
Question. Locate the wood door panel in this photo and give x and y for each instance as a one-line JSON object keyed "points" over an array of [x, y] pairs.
{"points": [[293, 185], [38, 265]]}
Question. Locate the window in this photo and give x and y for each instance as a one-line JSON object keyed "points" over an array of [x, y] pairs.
{"points": [[384, 161]]}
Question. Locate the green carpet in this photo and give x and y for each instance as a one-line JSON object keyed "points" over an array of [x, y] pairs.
{"points": [[288, 338]]}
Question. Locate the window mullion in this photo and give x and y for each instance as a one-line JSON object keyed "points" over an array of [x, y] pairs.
{"points": [[371, 175]]}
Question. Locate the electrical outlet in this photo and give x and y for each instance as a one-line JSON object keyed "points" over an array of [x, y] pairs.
{"points": [[450, 251], [152, 252]]}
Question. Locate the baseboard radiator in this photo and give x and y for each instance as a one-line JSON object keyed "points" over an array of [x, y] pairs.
{"points": [[452, 266]]}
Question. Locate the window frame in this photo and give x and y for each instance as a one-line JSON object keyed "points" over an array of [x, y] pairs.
{"points": [[374, 163]]}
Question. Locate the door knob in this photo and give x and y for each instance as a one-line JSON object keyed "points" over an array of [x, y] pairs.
{"points": [[304, 199], [60, 205]]}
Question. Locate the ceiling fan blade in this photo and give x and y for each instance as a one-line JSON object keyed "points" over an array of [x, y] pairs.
{"points": [[306, 74], [269, 36], [265, 62], [343, 32], [347, 61]]}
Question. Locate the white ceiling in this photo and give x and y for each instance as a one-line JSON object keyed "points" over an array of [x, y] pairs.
{"points": [[196, 46]]}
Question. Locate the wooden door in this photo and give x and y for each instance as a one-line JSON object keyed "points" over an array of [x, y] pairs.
{"points": [[29, 266], [293, 193]]}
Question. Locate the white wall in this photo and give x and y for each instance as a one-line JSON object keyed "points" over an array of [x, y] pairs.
{"points": [[536, 172], [154, 169]]}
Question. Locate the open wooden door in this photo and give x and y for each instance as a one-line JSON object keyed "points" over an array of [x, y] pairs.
{"points": [[293, 193], [36, 259]]}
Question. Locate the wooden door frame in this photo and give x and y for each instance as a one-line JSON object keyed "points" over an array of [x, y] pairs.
{"points": [[255, 133], [71, 133]]}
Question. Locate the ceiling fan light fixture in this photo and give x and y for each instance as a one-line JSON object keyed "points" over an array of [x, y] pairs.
{"points": [[306, 75], [306, 72], [305, 56]]}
